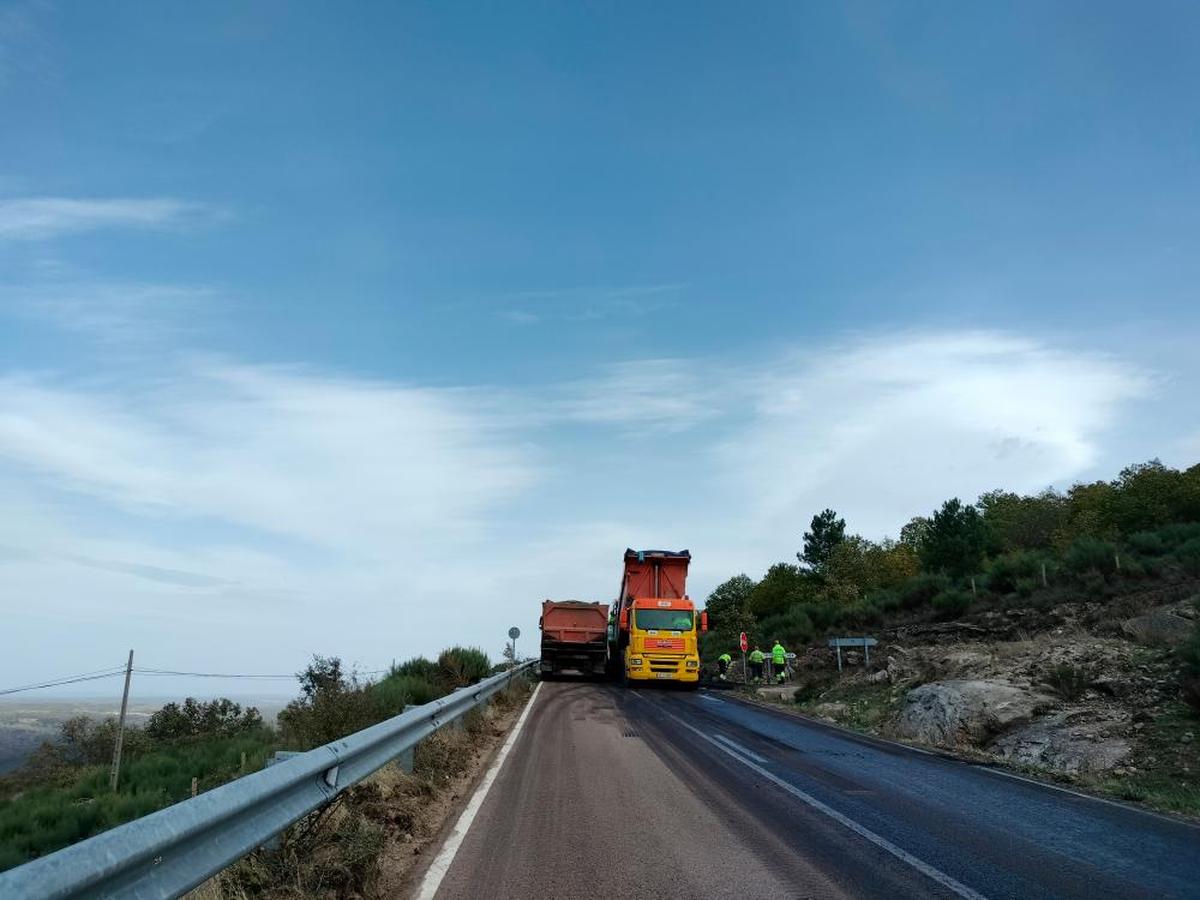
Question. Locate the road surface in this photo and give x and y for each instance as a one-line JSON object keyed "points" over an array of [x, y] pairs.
{"points": [[611, 793]]}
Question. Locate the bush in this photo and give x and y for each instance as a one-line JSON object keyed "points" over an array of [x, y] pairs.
{"points": [[1005, 572], [197, 718], [460, 666], [1088, 554], [921, 590], [1188, 556], [952, 603], [1068, 681], [395, 692], [793, 627], [1148, 543], [417, 667], [886, 601]]}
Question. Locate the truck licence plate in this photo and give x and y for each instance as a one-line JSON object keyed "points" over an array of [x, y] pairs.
{"points": [[662, 674]]}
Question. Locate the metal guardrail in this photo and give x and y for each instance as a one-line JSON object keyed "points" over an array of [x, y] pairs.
{"points": [[169, 852]]}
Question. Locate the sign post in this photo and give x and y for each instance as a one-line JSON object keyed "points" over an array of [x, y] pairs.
{"points": [[743, 643], [513, 634]]}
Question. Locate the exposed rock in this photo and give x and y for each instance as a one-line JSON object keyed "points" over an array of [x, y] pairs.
{"points": [[880, 677], [1073, 741], [1158, 628], [832, 711], [953, 713]]}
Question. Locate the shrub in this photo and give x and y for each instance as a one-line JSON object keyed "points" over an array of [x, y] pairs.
{"points": [[460, 666], [952, 603], [1004, 572], [1147, 543], [793, 627], [1089, 554], [197, 718], [1068, 681], [921, 590], [417, 667], [886, 601], [1188, 556], [395, 692], [1189, 691]]}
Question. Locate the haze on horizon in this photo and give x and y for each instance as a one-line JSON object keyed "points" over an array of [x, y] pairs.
{"points": [[360, 332]]}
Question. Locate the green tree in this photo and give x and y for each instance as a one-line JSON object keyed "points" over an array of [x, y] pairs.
{"points": [[1016, 522], [956, 539], [914, 533], [729, 605], [197, 718], [782, 586], [827, 531]]}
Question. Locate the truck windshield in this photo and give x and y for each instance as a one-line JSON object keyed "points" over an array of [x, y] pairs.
{"points": [[664, 619]]}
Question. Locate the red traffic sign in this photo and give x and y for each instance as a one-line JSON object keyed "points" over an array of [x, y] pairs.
{"points": [[745, 643]]}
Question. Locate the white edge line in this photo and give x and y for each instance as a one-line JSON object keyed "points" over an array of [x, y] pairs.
{"points": [[441, 864], [745, 751], [883, 843]]}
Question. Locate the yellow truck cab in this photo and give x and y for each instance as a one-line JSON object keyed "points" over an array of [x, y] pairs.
{"points": [[655, 629]]}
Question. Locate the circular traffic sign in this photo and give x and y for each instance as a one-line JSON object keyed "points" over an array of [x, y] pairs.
{"points": [[514, 632], [745, 644]]}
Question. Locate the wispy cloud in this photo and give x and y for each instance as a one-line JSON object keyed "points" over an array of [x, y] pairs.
{"points": [[39, 218], [587, 303], [650, 394], [110, 312]]}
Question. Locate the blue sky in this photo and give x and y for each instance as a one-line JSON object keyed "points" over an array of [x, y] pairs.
{"points": [[360, 332]]}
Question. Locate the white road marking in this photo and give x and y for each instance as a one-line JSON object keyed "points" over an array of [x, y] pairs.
{"points": [[740, 749], [883, 843], [441, 863]]}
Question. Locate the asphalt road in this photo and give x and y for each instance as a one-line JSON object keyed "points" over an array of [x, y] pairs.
{"points": [[611, 793]]}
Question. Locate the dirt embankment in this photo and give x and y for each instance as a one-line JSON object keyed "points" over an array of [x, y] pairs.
{"points": [[1083, 692], [373, 841]]}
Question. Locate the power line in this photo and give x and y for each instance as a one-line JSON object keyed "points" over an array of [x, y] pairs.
{"points": [[209, 674], [74, 679]]}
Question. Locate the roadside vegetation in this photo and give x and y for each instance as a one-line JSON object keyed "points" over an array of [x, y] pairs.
{"points": [[1095, 541], [62, 794], [1050, 632]]}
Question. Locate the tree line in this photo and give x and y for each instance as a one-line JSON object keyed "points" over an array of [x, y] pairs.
{"points": [[1005, 547]]}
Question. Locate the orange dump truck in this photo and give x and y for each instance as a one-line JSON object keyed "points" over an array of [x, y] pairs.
{"points": [[654, 631], [574, 637]]}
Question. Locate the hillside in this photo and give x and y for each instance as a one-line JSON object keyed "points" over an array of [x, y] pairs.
{"points": [[1056, 633]]}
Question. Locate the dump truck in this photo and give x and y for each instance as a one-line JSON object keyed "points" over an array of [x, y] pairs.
{"points": [[574, 637], [654, 631]]}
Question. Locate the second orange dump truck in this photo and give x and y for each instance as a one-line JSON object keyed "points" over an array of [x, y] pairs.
{"points": [[573, 637]]}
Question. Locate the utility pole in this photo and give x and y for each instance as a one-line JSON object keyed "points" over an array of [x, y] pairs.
{"points": [[116, 765]]}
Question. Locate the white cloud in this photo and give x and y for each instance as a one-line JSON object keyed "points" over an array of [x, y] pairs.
{"points": [[228, 515], [649, 394], [339, 463], [883, 428], [110, 312], [38, 218]]}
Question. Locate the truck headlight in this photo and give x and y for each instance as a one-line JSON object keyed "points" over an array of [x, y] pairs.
{"points": [[635, 661], [693, 664]]}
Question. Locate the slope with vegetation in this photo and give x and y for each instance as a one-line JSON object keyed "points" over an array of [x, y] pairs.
{"points": [[62, 794], [1054, 631]]}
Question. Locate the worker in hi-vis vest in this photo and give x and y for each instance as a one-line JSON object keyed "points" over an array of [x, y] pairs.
{"points": [[756, 663], [779, 661], [723, 662]]}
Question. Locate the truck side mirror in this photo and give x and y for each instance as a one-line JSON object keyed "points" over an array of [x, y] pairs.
{"points": [[703, 621], [624, 620], [539, 623]]}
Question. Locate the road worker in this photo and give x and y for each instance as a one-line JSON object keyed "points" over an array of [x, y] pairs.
{"points": [[779, 662], [756, 663], [723, 662]]}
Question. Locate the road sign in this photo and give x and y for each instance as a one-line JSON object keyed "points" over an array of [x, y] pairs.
{"points": [[743, 643], [514, 632]]}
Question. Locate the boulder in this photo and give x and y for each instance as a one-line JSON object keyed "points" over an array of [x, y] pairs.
{"points": [[1158, 628], [963, 712], [832, 711], [1073, 741]]}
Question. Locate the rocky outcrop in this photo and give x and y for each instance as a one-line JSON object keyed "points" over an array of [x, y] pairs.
{"points": [[961, 712], [1162, 627], [1073, 741]]}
